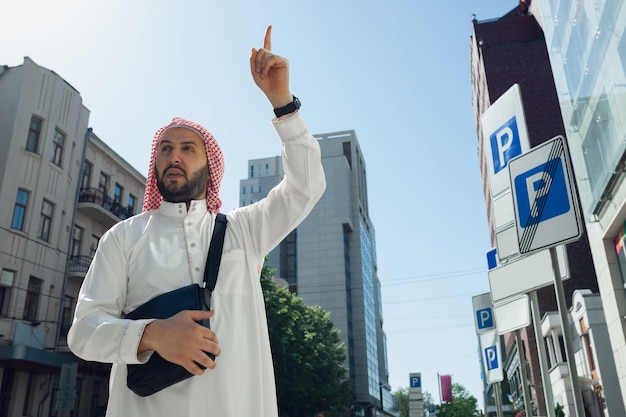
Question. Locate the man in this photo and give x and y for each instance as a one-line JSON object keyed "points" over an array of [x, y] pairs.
{"points": [[165, 248]]}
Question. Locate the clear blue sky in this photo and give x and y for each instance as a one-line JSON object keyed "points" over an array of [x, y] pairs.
{"points": [[395, 71]]}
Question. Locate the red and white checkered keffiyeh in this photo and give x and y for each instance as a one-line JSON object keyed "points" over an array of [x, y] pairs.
{"points": [[152, 197]]}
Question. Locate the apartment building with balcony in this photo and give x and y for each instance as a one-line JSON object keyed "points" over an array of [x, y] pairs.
{"points": [[61, 188]]}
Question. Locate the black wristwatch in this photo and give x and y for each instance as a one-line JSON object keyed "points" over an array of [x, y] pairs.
{"points": [[289, 108]]}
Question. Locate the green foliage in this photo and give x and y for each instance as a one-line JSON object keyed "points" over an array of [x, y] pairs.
{"points": [[558, 410], [308, 356], [402, 396], [462, 404]]}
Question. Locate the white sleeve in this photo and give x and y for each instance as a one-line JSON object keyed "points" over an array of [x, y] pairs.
{"points": [[287, 205], [97, 332]]}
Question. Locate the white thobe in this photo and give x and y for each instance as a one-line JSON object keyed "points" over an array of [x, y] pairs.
{"points": [[160, 250]]}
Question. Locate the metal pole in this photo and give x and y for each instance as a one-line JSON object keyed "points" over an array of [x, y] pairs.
{"points": [[567, 333], [522, 370], [498, 391], [543, 358]]}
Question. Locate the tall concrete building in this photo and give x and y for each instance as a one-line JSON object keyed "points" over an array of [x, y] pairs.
{"points": [[330, 261], [61, 188], [505, 51]]}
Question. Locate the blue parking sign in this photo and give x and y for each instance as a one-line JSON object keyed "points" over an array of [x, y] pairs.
{"points": [[505, 144], [541, 193], [491, 357], [416, 381]]}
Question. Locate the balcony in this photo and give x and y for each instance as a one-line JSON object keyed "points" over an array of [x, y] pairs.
{"points": [[79, 265], [103, 208]]}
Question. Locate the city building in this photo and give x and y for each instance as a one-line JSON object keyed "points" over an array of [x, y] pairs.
{"points": [[504, 51], [61, 188], [586, 43], [330, 261]]}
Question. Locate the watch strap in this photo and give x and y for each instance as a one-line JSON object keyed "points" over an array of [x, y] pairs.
{"points": [[289, 108]]}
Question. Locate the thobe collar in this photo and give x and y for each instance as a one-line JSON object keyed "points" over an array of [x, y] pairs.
{"points": [[180, 209]]}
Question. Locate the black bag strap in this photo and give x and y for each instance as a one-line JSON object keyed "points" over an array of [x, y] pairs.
{"points": [[215, 252]]}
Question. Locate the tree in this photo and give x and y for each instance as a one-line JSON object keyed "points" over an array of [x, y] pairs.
{"points": [[308, 355], [462, 405], [402, 397]]}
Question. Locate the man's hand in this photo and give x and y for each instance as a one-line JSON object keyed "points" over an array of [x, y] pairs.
{"points": [[271, 73], [179, 339]]}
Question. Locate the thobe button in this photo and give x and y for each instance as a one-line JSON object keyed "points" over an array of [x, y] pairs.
{"points": [[193, 245], [197, 269]]}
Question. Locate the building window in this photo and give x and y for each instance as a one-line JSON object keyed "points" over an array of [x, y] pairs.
{"points": [[117, 194], [267, 169], [6, 284], [103, 183], [47, 209], [132, 202], [34, 133], [86, 180], [243, 191], [58, 142], [32, 299], [68, 314], [76, 241], [259, 187], [251, 171], [19, 211], [94, 245]]}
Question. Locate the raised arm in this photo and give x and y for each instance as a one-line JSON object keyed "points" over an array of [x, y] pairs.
{"points": [[271, 73]]}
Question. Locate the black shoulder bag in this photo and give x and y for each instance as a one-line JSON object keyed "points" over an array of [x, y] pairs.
{"points": [[158, 373]]}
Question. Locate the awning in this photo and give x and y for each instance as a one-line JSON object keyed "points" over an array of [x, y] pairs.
{"points": [[35, 360]]}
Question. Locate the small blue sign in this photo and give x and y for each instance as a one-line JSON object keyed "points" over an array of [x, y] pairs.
{"points": [[541, 193], [505, 144], [491, 358], [492, 258], [416, 382], [484, 318]]}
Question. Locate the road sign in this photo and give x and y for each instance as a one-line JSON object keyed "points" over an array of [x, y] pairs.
{"points": [[483, 313], [505, 133], [491, 356], [525, 274], [545, 202], [416, 380], [512, 313]]}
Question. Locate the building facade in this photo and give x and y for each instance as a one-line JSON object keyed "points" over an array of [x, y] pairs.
{"points": [[586, 42], [61, 189], [504, 51], [330, 261]]}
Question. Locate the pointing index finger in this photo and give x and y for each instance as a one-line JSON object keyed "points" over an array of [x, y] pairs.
{"points": [[267, 43]]}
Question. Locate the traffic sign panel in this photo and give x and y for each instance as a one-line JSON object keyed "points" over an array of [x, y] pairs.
{"points": [[483, 313], [545, 203], [505, 136], [491, 356]]}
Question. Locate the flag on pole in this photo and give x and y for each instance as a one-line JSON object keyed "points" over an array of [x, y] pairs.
{"points": [[445, 382]]}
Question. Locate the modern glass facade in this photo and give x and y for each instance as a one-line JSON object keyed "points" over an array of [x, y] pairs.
{"points": [[369, 303], [587, 47]]}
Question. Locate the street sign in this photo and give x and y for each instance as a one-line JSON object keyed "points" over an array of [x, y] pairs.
{"points": [[415, 380], [545, 202], [483, 313], [530, 272], [505, 133], [416, 398], [491, 356], [512, 313]]}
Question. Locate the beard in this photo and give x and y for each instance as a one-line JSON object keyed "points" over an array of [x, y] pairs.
{"points": [[190, 190]]}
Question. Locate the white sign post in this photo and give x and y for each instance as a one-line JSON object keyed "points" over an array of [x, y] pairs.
{"points": [[546, 208], [491, 356], [505, 137]]}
